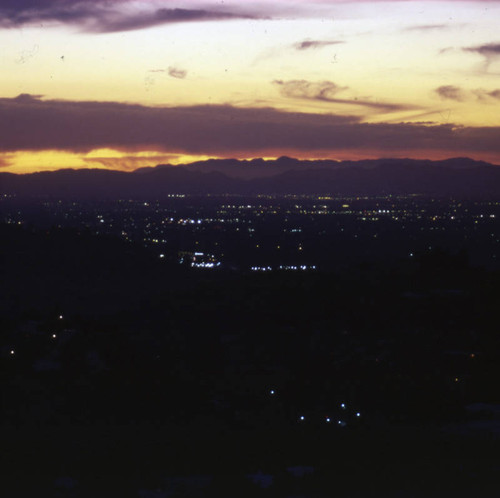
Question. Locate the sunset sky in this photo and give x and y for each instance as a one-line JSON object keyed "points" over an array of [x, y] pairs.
{"points": [[123, 84]]}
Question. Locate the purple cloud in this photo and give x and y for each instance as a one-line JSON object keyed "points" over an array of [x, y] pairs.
{"points": [[303, 89], [104, 16], [30, 123], [489, 51], [119, 22], [450, 92]]}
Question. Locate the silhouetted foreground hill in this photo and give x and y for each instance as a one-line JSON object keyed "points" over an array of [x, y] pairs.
{"points": [[124, 375], [458, 177]]}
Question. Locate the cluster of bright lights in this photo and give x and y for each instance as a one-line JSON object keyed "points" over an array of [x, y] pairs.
{"points": [[204, 265], [200, 260]]}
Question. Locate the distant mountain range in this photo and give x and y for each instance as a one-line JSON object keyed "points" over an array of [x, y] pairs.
{"points": [[451, 177]]}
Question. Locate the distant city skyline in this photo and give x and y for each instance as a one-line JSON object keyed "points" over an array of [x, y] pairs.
{"points": [[124, 84]]}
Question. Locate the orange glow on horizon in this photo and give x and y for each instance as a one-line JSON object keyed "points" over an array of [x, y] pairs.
{"points": [[32, 162]]}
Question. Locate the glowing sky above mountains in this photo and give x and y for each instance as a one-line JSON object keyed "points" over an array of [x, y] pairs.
{"points": [[123, 84]]}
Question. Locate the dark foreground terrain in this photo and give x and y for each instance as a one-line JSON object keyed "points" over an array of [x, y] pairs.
{"points": [[123, 374]]}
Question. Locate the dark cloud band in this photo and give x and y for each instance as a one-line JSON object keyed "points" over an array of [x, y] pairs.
{"points": [[29, 123]]}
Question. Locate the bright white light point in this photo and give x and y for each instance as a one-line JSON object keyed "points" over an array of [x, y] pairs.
{"points": [[54, 336], [342, 405], [60, 317], [358, 414], [328, 420], [271, 392], [302, 418], [12, 351]]}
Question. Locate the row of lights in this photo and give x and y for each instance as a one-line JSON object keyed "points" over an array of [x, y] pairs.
{"points": [[293, 268]]}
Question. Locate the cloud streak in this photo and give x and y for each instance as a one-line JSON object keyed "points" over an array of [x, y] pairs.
{"points": [[118, 22], [105, 16], [427, 27], [30, 123], [487, 50], [315, 44], [326, 91], [458, 94]]}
